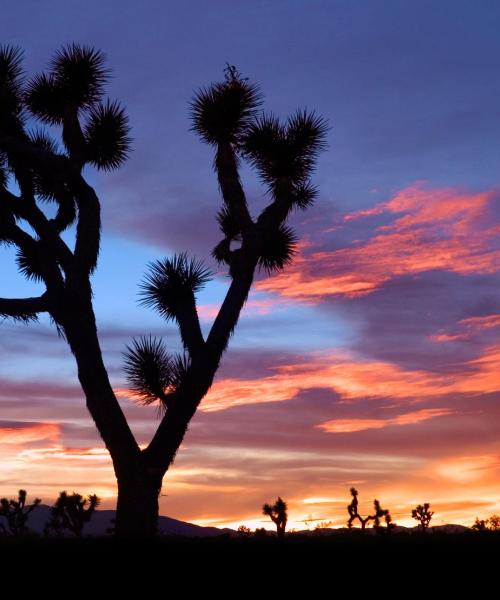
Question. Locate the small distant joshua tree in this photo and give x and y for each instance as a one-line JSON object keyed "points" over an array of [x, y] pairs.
{"points": [[16, 513], [70, 513], [278, 514], [379, 513], [480, 524], [491, 524], [423, 515]]}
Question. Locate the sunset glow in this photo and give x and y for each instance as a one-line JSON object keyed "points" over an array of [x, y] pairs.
{"points": [[373, 358]]}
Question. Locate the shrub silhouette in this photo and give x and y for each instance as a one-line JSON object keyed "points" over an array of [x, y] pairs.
{"points": [[494, 523], [95, 133], [278, 514], [423, 515], [260, 533], [70, 513], [16, 513], [244, 531]]}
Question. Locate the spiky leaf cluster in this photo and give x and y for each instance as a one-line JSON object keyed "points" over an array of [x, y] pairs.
{"points": [[76, 80], [45, 186], [11, 78], [172, 282], [29, 262], [152, 373], [286, 151], [106, 134], [75, 85], [147, 367], [228, 223], [222, 112], [304, 195], [277, 249]]}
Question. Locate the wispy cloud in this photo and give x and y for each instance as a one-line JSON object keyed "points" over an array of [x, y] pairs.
{"points": [[410, 418]]}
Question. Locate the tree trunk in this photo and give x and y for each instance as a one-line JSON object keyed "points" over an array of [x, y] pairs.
{"points": [[137, 509]]}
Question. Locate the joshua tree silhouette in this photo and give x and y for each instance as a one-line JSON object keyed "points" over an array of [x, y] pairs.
{"points": [[16, 513], [70, 513], [480, 524], [95, 132], [423, 515], [378, 514], [386, 515], [278, 514]]}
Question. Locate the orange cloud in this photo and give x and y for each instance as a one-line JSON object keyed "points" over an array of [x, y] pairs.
{"points": [[438, 229], [29, 433], [354, 380], [351, 379], [411, 418]]}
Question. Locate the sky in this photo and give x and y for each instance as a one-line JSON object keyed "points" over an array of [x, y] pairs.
{"points": [[373, 360]]}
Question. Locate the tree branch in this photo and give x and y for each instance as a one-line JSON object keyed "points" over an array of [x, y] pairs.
{"points": [[229, 312], [189, 326], [24, 309], [88, 230], [275, 213], [47, 162], [27, 209], [226, 167], [73, 137], [20, 238]]}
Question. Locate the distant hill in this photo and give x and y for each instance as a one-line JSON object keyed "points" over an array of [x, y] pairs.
{"points": [[102, 520], [398, 529]]}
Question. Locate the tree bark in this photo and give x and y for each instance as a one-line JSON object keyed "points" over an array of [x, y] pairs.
{"points": [[137, 506]]}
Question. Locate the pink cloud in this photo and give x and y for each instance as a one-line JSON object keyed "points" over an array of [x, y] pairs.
{"points": [[469, 327], [432, 229]]}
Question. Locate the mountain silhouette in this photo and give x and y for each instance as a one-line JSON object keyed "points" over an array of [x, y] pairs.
{"points": [[102, 520]]}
